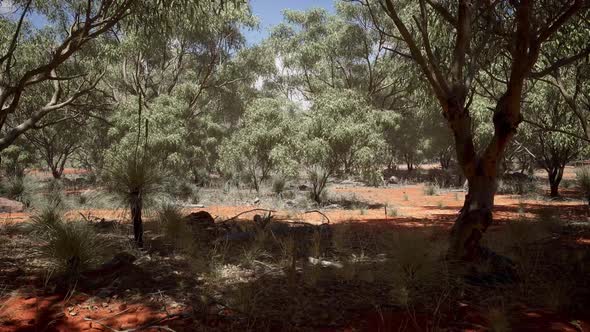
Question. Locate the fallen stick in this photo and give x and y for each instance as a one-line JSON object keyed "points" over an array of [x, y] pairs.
{"points": [[320, 212], [241, 213]]}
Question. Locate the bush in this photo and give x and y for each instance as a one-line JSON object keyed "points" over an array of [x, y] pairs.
{"points": [[372, 178], [188, 192], [71, 247], [516, 185], [583, 180], [278, 184], [54, 189], [47, 218], [431, 189], [318, 177], [171, 222], [18, 188]]}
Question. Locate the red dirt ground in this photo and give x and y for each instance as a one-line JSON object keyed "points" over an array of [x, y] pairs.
{"points": [[414, 209]]}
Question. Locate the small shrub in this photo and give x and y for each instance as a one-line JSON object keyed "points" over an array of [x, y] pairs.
{"points": [[54, 192], [406, 197], [188, 192], [82, 199], [71, 247], [318, 177], [431, 189], [288, 194], [47, 218], [583, 181], [516, 185], [18, 188], [171, 221], [392, 211], [372, 178], [278, 185]]}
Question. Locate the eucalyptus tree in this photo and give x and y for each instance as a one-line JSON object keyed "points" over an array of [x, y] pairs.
{"points": [[345, 124], [262, 143], [57, 142], [553, 150], [454, 44], [34, 59], [573, 84], [319, 51], [47, 55], [178, 79], [165, 66]]}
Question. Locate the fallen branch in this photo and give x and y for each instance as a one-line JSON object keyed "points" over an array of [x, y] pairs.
{"points": [[241, 213], [320, 212]]}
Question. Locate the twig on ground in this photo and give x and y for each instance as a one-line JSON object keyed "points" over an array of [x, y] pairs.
{"points": [[241, 213], [320, 212]]}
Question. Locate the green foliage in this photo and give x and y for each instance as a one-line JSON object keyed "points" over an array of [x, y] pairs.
{"points": [[132, 173], [170, 220], [70, 246], [516, 186], [278, 185], [318, 177], [16, 158], [583, 181], [19, 188], [341, 133], [262, 144]]}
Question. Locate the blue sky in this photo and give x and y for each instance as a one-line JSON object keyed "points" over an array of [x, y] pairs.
{"points": [[270, 14]]}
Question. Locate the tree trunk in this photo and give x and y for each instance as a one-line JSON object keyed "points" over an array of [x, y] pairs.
{"points": [[555, 176], [56, 172], [136, 205], [474, 219]]}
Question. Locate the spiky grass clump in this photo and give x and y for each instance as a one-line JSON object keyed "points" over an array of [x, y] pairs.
{"points": [[19, 188], [70, 247], [171, 222], [431, 189], [135, 178], [129, 174], [392, 211]]}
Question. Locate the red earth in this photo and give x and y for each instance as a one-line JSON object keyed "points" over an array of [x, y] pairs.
{"points": [[30, 310]]}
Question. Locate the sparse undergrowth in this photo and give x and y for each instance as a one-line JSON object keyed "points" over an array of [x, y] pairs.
{"points": [[270, 274]]}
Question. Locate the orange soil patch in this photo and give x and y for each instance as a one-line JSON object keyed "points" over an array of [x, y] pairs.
{"points": [[81, 313], [412, 206]]}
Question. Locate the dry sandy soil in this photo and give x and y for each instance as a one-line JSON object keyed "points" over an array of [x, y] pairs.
{"points": [[26, 306]]}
